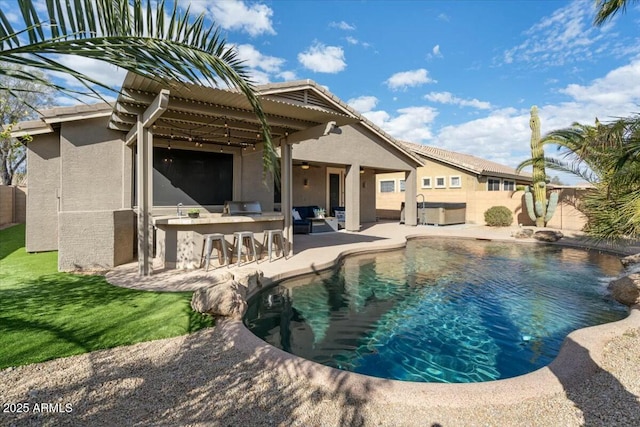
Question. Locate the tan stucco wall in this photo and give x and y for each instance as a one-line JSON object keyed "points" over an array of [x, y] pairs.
{"points": [[13, 204], [254, 187], [95, 239], [315, 192], [566, 216], [368, 196], [356, 145], [84, 213], [92, 158], [43, 171], [96, 223]]}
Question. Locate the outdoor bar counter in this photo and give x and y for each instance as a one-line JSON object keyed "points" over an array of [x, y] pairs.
{"points": [[179, 241]]}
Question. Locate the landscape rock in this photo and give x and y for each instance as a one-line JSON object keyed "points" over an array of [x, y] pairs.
{"points": [[523, 233], [548, 235], [626, 290], [227, 300], [250, 278], [630, 261]]}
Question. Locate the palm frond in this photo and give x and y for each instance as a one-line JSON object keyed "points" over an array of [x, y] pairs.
{"points": [[131, 36], [576, 168], [607, 9]]}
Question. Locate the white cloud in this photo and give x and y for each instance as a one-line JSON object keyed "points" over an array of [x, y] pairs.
{"points": [[103, 72], [323, 59], [443, 17], [436, 51], [616, 88], [342, 25], [449, 98], [406, 79], [254, 59], [263, 68], [503, 136], [288, 75], [410, 124], [351, 40], [363, 104], [567, 36], [254, 19]]}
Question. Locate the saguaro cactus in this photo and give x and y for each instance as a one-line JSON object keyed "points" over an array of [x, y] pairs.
{"points": [[539, 208]]}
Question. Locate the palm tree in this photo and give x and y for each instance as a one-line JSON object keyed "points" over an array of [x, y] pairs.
{"points": [[170, 48], [607, 156], [608, 8]]}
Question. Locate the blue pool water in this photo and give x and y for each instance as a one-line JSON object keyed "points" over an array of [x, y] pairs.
{"points": [[440, 310]]}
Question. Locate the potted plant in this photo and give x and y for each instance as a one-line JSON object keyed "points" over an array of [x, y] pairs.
{"points": [[193, 213], [320, 213]]}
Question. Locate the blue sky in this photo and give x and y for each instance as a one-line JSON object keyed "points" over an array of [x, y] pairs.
{"points": [[461, 75]]}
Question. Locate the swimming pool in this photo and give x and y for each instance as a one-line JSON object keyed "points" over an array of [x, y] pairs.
{"points": [[441, 310]]}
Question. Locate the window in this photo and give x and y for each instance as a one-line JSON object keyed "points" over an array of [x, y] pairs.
{"points": [[508, 185], [426, 182], [387, 186], [402, 185], [440, 182], [455, 182], [493, 184]]}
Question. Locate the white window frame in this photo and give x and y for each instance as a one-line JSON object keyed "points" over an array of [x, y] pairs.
{"points": [[423, 184], [508, 181], [444, 182], [402, 185], [386, 180], [493, 179], [451, 181]]}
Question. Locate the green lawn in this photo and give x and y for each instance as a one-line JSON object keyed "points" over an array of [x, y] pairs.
{"points": [[45, 314]]}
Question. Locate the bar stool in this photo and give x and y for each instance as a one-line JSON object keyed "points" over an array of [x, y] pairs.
{"points": [[241, 239], [209, 240], [271, 237]]}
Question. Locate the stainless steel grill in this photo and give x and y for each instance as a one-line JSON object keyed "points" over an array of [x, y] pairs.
{"points": [[242, 208]]}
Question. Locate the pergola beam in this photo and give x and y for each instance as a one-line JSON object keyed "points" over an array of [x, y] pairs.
{"points": [[315, 132], [150, 115]]}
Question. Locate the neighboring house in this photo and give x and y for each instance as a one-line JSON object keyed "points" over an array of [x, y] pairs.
{"points": [[451, 177], [106, 182]]}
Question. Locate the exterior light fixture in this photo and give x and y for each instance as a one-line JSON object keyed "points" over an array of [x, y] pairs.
{"points": [[305, 165], [361, 170]]}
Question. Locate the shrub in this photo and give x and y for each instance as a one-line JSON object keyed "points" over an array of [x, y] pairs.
{"points": [[498, 216]]}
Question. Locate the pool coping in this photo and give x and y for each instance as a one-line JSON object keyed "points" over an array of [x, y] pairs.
{"points": [[580, 357]]}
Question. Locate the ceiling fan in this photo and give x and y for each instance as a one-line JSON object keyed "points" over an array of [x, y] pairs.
{"points": [[305, 165]]}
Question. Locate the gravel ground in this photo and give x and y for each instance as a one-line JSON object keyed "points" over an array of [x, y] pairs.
{"points": [[202, 380]]}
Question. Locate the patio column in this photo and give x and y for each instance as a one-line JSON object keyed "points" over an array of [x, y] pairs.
{"points": [[143, 135], [352, 198], [410, 194], [144, 191], [286, 191]]}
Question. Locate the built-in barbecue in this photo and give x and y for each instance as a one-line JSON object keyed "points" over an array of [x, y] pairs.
{"points": [[241, 208]]}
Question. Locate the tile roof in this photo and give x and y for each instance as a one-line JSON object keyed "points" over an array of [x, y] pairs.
{"points": [[466, 161]]}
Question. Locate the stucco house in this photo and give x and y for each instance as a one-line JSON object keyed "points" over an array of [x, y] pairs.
{"points": [[451, 177], [109, 183]]}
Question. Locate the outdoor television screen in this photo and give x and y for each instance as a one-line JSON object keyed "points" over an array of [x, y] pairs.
{"points": [[191, 177]]}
